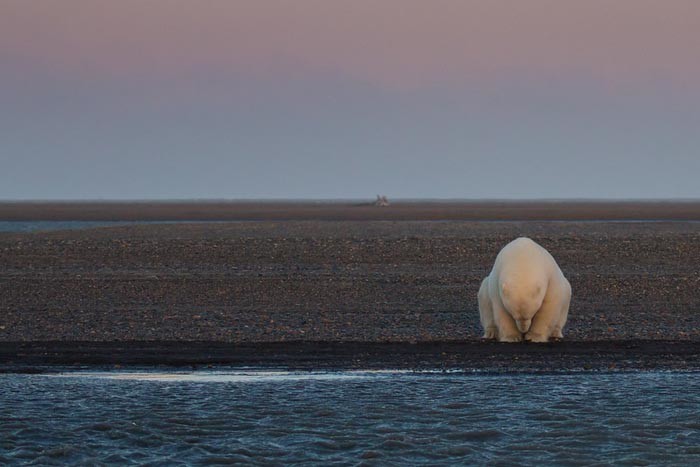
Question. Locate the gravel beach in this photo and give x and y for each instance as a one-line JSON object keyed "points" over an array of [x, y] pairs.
{"points": [[401, 282]]}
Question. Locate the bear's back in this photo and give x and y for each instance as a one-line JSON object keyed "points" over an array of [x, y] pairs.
{"points": [[524, 256]]}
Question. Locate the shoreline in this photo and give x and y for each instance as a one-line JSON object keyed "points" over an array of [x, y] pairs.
{"points": [[467, 356]]}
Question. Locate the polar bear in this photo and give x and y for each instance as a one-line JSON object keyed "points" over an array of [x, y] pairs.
{"points": [[525, 296]]}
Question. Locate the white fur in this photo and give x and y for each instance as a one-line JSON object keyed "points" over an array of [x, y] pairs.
{"points": [[525, 296]]}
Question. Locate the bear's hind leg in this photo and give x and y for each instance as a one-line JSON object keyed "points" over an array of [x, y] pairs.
{"points": [[486, 312], [563, 313]]}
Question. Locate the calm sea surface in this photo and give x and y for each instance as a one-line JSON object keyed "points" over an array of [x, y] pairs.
{"points": [[349, 418], [38, 226], [34, 226]]}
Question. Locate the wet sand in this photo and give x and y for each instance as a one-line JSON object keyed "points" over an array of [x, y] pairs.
{"points": [[472, 356], [267, 292]]}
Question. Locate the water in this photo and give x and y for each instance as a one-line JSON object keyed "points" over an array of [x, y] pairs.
{"points": [[350, 418], [35, 226], [39, 226]]}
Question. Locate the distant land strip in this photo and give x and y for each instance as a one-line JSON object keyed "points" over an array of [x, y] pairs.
{"points": [[671, 210]]}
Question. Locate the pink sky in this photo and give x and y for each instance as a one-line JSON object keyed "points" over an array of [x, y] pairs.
{"points": [[400, 44]]}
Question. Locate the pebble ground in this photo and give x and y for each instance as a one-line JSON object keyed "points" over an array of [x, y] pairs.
{"points": [[362, 281]]}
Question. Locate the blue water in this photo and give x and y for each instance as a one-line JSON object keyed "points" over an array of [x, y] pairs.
{"points": [[350, 418], [35, 226]]}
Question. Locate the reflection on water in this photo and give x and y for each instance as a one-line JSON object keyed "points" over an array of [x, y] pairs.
{"points": [[231, 376], [349, 418]]}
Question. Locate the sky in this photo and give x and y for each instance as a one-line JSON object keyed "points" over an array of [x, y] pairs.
{"points": [[329, 99]]}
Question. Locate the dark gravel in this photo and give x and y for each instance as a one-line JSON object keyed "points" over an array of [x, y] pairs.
{"points": [[370, 281]]}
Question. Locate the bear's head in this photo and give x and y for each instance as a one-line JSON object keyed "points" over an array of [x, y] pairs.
{"points": [[523, 299]]}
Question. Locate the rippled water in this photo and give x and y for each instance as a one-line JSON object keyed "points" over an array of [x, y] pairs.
{"points": [[350, 418]]}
